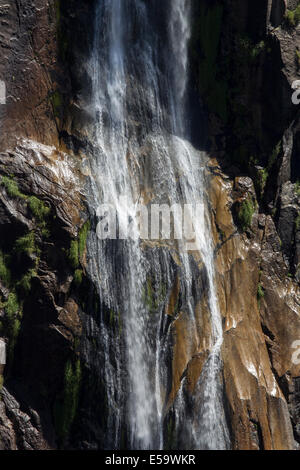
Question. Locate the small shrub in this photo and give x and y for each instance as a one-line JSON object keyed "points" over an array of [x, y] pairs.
{"points": [[12, 305], [290, 17], [293, 17], [45, 232], [26, 244], [257, 49], [39, 209], [245, 214], [25, 282], [263, 177], [11, 187], [260, 292], [249, 51]]}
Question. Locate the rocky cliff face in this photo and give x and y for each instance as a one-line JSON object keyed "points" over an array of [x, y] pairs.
{"points": [[244, 59], [255, 197]]}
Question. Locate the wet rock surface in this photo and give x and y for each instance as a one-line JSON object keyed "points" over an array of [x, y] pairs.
{"points": [[260, 305], [43, 140]]}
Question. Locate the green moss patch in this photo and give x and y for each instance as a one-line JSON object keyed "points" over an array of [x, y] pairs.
{"points": [[38, 208], [78, 246], [66, 405], [12, 187], [74, 254], [26, 244], [260, 292], [245, 214]]}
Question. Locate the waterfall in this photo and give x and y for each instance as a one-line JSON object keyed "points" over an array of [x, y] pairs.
{"points": [[142, 155]]}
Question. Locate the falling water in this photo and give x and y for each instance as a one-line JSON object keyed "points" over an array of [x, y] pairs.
{"points": [[142, 155]]}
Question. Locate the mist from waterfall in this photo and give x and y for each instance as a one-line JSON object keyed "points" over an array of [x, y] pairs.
{"points": [[143, 155]]}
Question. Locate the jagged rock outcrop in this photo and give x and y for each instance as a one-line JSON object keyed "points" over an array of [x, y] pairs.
{"points": [[40, 311]]}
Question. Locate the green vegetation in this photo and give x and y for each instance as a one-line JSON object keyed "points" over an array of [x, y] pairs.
{"points": [[11, 187], [293, 16], [41, 212], [12, 305], [1, 382], [148, 296], [78, 277], [26, 244], [13, 324], [249, 50], [77, 247], [25, 282], [39, 209], [83, 233], [74, 254], [260, 292], [65, 409], [5, 274], [245, 214], [57, 102], [297, 188], [263, 177], [257, 49], [15, 273]]}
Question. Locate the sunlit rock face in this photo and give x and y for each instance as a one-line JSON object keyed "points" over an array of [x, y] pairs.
{"points": [[258, 370], [66, 379]]}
